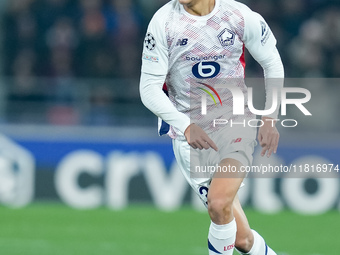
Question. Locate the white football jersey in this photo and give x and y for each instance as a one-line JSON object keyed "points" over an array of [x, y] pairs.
{"points": [[197, 53]]}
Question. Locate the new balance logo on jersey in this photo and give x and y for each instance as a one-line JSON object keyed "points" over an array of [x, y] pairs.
{"points": [[182, 42]]}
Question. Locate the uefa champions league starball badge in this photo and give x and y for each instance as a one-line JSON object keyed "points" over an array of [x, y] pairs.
{"points": [[150, 42]]}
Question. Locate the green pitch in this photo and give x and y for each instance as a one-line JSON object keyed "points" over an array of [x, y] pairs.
{"points": [[52, 229]]}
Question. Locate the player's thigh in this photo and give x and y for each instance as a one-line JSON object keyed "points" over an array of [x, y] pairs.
{"points": [[224, 185]]}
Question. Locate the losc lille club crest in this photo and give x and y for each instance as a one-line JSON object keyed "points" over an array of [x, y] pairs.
{"points": [[226, 37]]}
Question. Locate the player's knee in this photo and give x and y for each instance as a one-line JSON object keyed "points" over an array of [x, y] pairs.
{"points": [[245, 242], [219, 209]]}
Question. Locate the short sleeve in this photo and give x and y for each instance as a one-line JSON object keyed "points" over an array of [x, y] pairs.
{"points": [[258, 37], [155, 50]]}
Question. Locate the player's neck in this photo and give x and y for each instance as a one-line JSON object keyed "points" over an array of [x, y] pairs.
{"points": [[200, 7]]}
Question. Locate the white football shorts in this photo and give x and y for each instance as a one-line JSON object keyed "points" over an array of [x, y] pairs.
{"points": [[237, 143]]}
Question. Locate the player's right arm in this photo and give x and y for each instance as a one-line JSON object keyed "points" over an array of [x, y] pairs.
{"points": [[154, 71]]}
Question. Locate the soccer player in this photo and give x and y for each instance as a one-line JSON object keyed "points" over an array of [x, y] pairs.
{"points": [[191, 48]]}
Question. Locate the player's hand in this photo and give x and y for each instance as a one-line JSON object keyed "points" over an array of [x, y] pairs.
{"points": [[198, 139], [268, 137]]}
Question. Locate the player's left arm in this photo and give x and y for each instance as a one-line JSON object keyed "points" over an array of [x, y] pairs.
{"points": [[261, 43]]}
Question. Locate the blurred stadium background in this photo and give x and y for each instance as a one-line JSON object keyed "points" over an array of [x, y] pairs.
{"points": [[75, 135]]}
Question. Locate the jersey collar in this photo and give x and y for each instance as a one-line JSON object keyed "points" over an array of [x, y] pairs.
{"points": [[206, 17]]}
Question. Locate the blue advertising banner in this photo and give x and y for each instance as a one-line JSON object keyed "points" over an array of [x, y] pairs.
{"points": [[88, 173]]}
